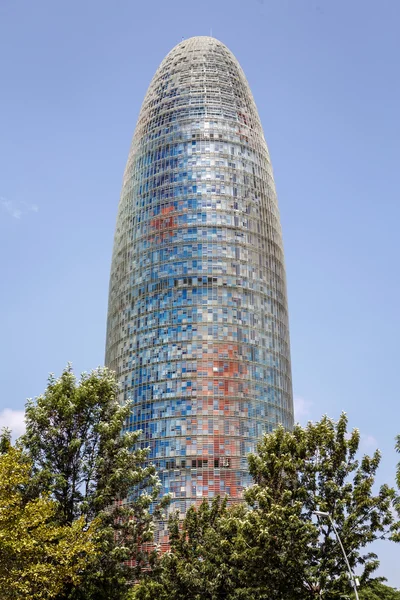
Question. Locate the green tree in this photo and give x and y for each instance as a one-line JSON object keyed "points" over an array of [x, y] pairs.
{"points": [[219, 552], [196, 565], [396, 526], [376, 590], [273, 547], [37, 556], [318, 467], [398, 465], [5, 440], [80, 455]]}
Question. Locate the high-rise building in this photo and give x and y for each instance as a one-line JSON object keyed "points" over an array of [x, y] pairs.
{"points": [[197, 318]]}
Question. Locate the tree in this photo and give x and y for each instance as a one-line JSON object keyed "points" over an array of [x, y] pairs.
{"points": [[272, 547], [318, 467], [37, 557], [85, 456], [5, 440], [398, 465], [396, 526], [200, 563], [376, 590]]}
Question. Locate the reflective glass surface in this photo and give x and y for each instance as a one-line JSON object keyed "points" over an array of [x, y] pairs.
{"points": [[198, 324]]}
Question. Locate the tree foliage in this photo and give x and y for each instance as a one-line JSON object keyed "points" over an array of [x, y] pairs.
{"points": [[221, 552], [398, 465], [81, 456], [396, 528], [37, 556], [319, 467], [376, 590], [273, 547], [197, 565], [78, 504]]}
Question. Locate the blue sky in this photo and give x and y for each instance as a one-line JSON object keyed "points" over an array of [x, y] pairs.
{"points": [[325, 79]]}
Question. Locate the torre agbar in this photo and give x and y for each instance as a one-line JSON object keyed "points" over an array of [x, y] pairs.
{"points": [[197, 326]]}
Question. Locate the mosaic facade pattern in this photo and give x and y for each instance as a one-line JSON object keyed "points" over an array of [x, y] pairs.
{"points": [[197, 321]]}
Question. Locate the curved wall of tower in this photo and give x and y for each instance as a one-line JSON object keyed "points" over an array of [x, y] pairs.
{"points": [[197, 325]]}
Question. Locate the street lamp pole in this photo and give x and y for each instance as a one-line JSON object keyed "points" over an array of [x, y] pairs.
{"points": [[352, 578]]}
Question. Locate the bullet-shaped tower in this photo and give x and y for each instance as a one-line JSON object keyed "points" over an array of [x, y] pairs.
{"points": [[197, 317]]}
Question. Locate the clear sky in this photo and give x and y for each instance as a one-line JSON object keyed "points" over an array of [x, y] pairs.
{"points": [[325, 77]]}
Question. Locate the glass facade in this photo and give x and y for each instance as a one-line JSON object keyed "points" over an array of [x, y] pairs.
{"points": [[197, 320]]}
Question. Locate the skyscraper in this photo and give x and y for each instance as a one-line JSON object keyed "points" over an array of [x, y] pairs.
{"points": [[197, 319]]}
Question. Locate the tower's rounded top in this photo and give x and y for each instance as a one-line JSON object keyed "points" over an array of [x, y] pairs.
{"points": [[198, 43], [199, 80], [200, 40]]}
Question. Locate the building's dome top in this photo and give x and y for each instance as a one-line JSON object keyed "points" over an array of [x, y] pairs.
{"points": [[199, 77], [201, 40], [198, 43]]}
